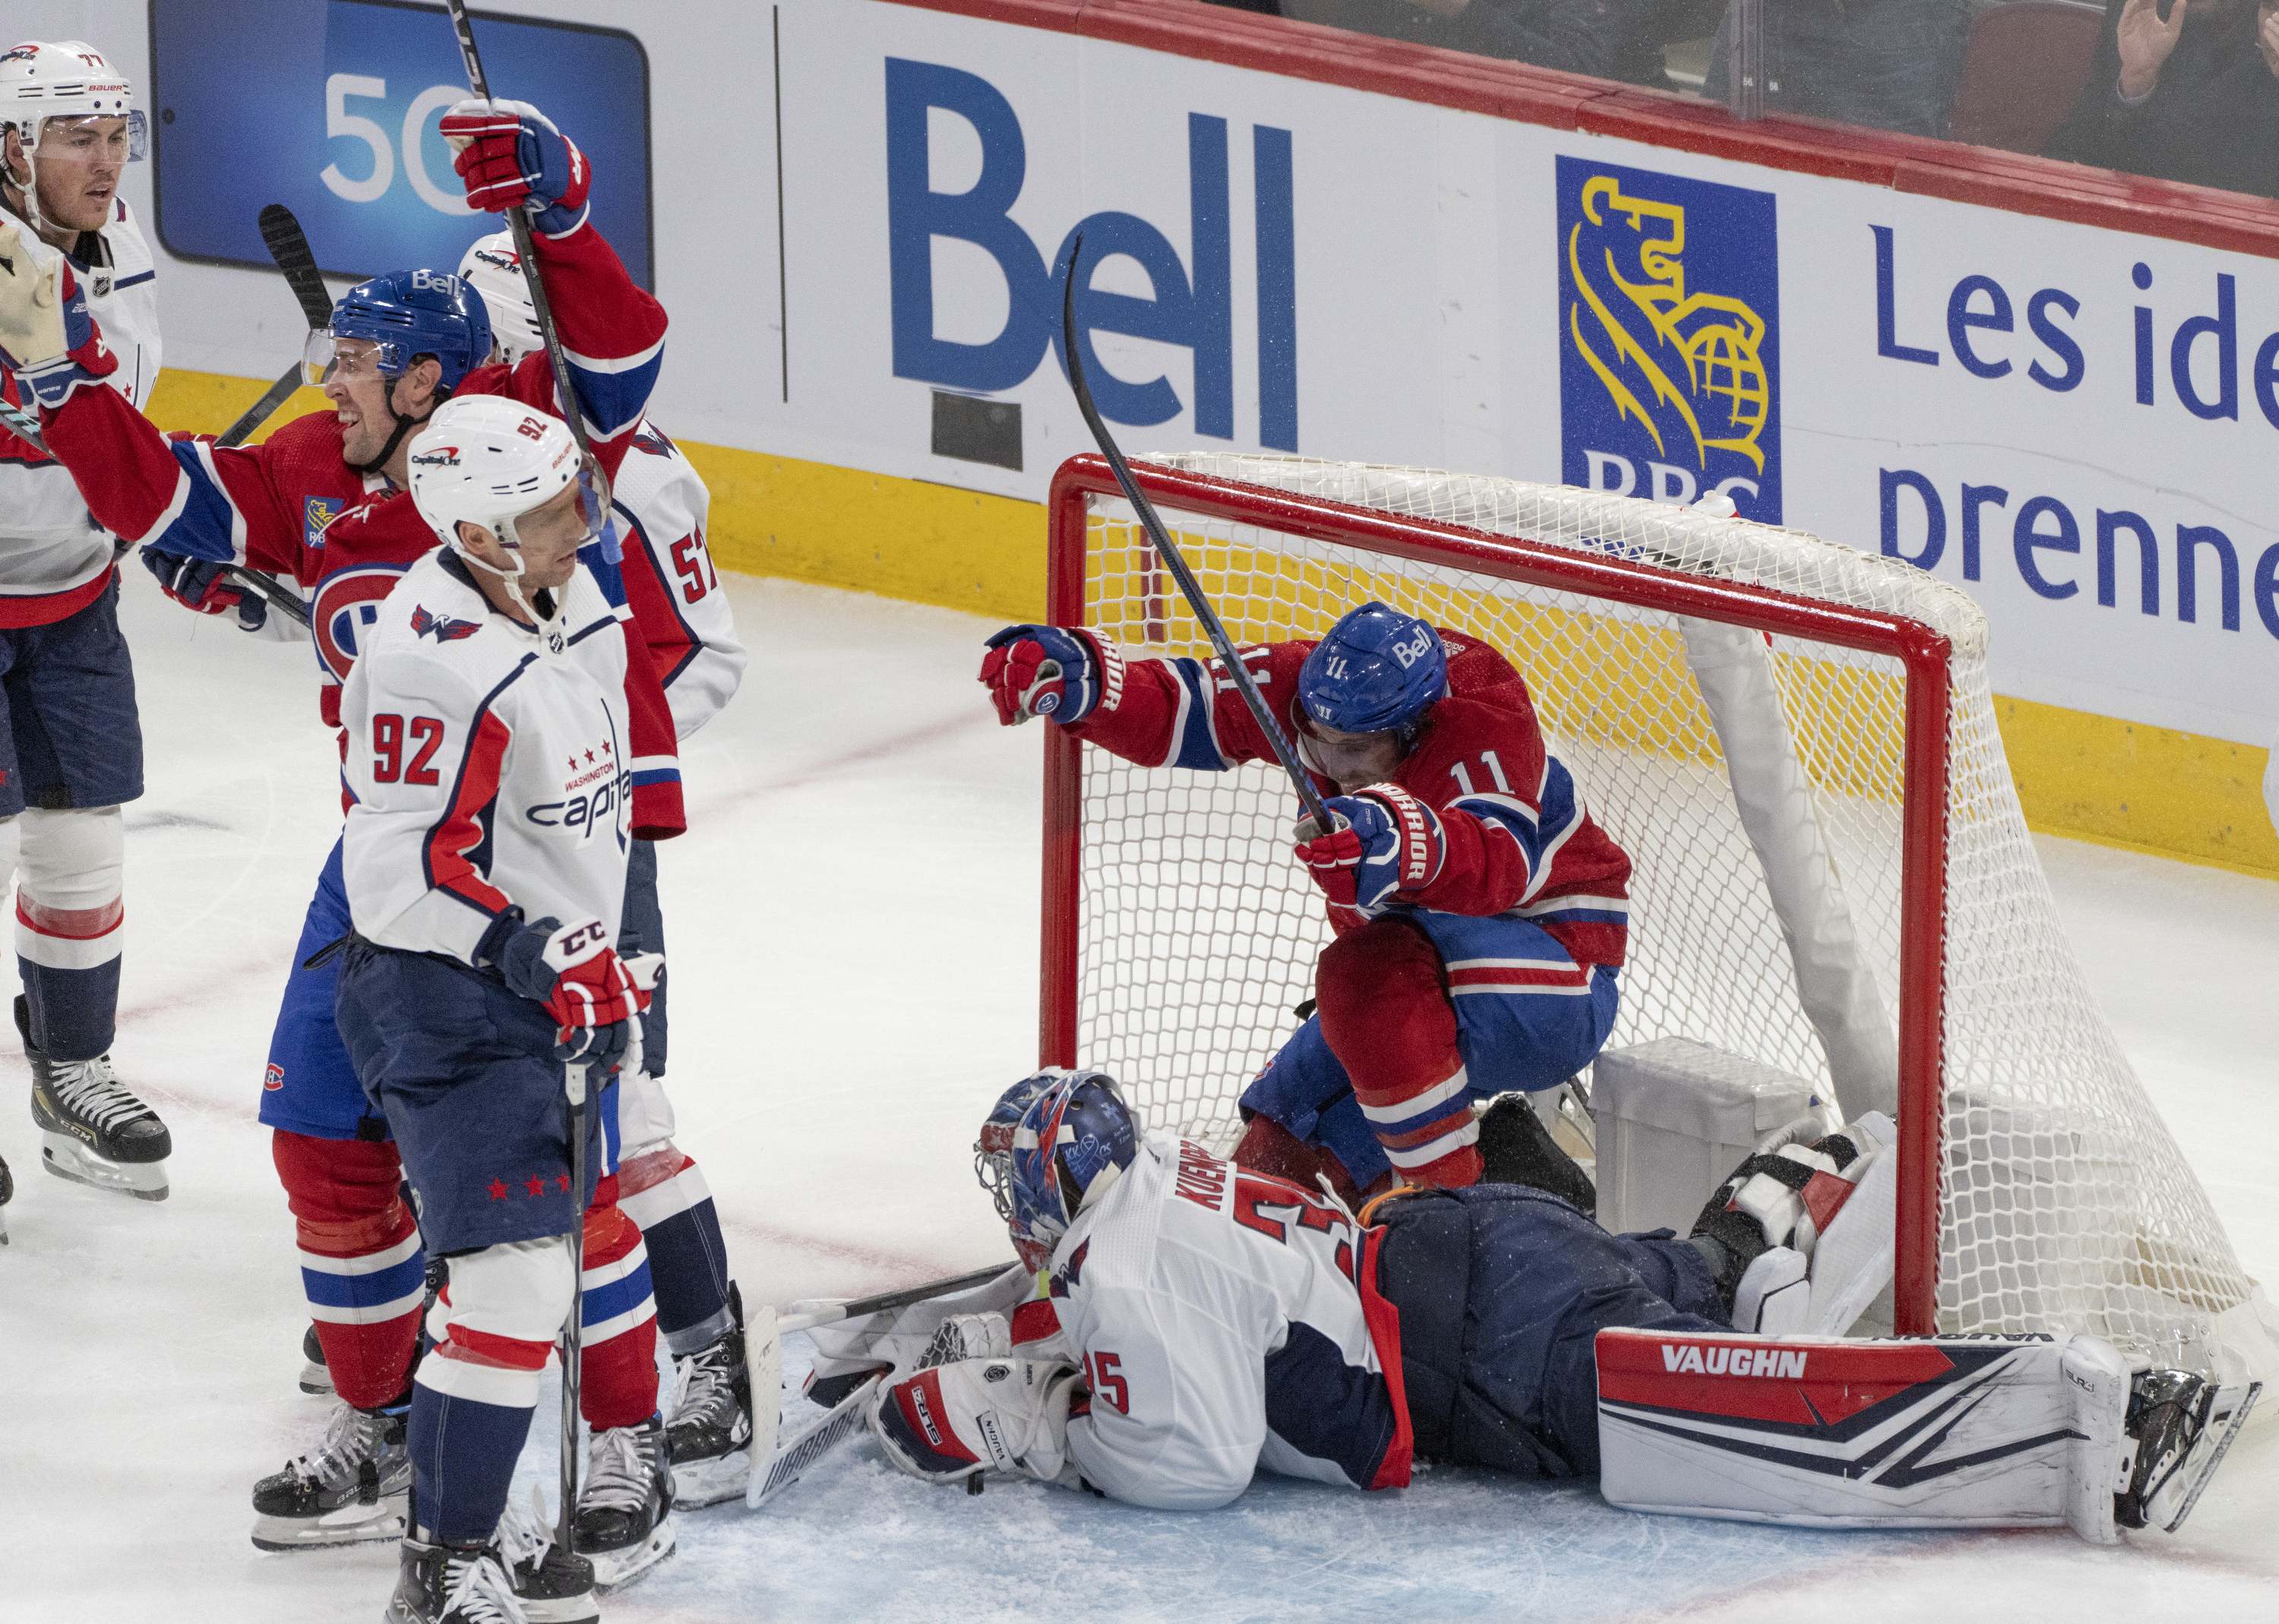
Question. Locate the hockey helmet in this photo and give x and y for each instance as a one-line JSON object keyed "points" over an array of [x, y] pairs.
{"points": [[488, 461], [494, 271], [993, 1149], [42, 82], [1378, 670], [406, 314], [1072, 1143]]}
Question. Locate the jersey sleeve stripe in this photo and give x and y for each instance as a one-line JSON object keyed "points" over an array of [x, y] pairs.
{"points": [[1194, 734], [463, 828]]}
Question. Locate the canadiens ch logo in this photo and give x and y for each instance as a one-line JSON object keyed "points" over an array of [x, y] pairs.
{"points": [[442, 628], [346, 610], [1668, 337]]}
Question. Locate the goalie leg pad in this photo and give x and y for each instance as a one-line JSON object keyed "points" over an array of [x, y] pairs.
{"points": [[2022, 1431]]}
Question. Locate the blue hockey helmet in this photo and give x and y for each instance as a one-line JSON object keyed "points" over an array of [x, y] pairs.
{"points": [[1073, 1142], [1377, 670], [407, 314]]}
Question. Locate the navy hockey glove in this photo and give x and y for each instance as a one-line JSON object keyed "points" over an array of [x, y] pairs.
{"points": [[1386, 840], [580, 979], [1050, 672], [46, 337], [203, 585], [511, 156]]}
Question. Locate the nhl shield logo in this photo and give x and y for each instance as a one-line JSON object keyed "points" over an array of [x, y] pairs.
{"points": [[98, 284]]}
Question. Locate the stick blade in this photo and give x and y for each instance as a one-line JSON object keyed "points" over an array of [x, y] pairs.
{"points": [[772, 1475], [764, 1368], [288, 247]]}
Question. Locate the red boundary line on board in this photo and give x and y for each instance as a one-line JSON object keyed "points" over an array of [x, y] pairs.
{"points": [[2016, 183]]}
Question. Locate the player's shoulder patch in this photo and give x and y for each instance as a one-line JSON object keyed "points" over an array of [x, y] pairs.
{"points": [[317, 514], [442, 628], [1071, 1273]]}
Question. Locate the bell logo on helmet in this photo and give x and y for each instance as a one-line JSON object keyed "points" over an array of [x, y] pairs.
{"points": [[1408, 654], [441, 281]]}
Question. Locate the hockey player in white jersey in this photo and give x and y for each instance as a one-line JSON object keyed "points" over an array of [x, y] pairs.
{"points": [[1202, 1321], [686, 629], [489, 767], [71, 745]]}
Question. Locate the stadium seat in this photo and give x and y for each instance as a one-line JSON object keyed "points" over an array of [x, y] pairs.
{"points": [[2027, 62]]}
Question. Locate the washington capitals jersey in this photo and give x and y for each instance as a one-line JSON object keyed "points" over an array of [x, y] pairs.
{"points": [[487, 768], [681, 613], [1520, 843], [55, 555], [1225, 1322]]}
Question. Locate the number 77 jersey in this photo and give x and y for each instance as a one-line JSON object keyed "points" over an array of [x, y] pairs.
{"points": [[1225, 1322], [1520, 844]]}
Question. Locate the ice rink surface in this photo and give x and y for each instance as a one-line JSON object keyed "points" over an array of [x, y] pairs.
{"points": [[852, 924]]}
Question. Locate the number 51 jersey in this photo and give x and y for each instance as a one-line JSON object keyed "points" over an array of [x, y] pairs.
{"points": [[486, 767], [1225, 1320]]}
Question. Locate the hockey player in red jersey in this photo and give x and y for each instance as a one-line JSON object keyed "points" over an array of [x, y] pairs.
{"points": [[322, 502], [1480, 914]]}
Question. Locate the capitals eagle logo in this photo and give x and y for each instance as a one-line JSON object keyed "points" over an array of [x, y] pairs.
{"points": [[443, 628]]}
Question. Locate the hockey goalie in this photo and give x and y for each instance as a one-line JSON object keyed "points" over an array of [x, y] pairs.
{"points": [[1195, 1320]]}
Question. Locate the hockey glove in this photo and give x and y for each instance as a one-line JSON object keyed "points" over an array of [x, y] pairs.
{"points": [[946, 1424], [203, 585], [575, 974], [905, 1339], [511, 156], [46, 337], [1050, 672], [1781, 1198], [1386, 840]]}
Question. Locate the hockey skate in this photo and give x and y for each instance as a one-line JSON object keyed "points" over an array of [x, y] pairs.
{"points": [[94, 1130], [1516, 1148], [625, 1511], [316, 1376], [710, 1435], [351, 1490], [2179, 1428], [552, 1586], [471, 1584]]}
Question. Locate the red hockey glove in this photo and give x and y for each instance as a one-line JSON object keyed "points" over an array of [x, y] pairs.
{"points": [[1050, 672], [511, 156], [1385, 842], [578, 976]]}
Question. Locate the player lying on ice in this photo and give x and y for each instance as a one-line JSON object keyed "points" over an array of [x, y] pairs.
{"points": [[324, 503], [1202, 1322], [1480, 914]]}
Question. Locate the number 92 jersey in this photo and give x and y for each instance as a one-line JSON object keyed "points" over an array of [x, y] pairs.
{"points": [[1225, 1320], [487, 768]]}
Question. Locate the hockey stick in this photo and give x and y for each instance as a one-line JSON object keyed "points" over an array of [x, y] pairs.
{"points": [[571, 412], [1245, 684], [808, 1446], [763, 1336], [574, 1082], [288, 247]]}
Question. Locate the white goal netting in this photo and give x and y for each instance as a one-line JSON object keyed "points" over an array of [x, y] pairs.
{"points": [[2066, 1203]]}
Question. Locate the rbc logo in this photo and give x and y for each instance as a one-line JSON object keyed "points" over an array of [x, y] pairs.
{"points": [[1668, 337]]}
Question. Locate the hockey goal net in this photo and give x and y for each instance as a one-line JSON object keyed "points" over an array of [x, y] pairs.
{"points": [[1794, 741]]}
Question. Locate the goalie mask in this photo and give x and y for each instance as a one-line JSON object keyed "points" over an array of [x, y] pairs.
{"points": [[486, 460], [1377, 670], [1072, 1145], [993, 1149]]}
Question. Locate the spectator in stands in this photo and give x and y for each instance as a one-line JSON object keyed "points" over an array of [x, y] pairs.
{"points": [[2190, 97], [1891, 64], [1606, 39]]}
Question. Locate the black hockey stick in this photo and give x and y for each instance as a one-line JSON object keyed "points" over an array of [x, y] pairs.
{"points": [[571, 412], [288, 245], [1245, 684], [573, 1081]]}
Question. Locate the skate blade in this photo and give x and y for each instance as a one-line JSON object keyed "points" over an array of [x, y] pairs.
{"points": [[613, 1570], [699, 1483], [350, 1525], [66, 1158]]}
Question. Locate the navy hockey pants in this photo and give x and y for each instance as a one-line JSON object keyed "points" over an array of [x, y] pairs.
{"points": [[1502, 1292]]}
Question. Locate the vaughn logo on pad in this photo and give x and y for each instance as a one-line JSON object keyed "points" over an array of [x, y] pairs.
{"points": [[1668, 337]]}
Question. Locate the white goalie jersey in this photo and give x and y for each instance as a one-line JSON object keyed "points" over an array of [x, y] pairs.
{"points": [[486, 770]]}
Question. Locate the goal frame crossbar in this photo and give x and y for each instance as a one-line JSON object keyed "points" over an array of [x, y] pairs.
{"points": [[1924, 655]]}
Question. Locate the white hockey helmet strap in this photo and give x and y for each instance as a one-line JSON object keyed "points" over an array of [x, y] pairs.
{"points": [[494, 269], [42, 79]]}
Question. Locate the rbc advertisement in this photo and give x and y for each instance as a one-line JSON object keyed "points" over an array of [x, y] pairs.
{"points": [[336, 114]]}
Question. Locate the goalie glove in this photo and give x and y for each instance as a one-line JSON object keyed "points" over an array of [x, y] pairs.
{"points": [[46, 337], [980, 1415], [1783, 1197], [1050, 672], [1386, 841], [899, 1340]]}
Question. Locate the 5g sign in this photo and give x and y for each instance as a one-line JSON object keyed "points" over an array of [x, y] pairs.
{"points": [[334, 115], [338, 122]]}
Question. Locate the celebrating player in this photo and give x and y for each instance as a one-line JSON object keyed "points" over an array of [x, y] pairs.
{"points": [[683, 617], [71, 745], [1480, 914], [322, 502], [1202, 1322]]}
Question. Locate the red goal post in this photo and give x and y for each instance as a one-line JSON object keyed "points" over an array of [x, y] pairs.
{"points": [[1922, 654]]}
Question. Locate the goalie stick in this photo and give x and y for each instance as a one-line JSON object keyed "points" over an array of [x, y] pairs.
{"points": [[763, 1336], [1317, 814]]}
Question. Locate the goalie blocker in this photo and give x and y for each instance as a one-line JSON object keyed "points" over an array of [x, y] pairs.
{"points": [[2013, 1431]]}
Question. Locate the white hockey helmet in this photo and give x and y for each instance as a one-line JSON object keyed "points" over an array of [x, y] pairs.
{"points": [[45, 83], [494, 269]]}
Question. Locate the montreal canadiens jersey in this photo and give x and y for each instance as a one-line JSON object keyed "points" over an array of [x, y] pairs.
{"points": [[1520, 843], [486, 768], [55, 556], [1225, 1322], [682, 614]]}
